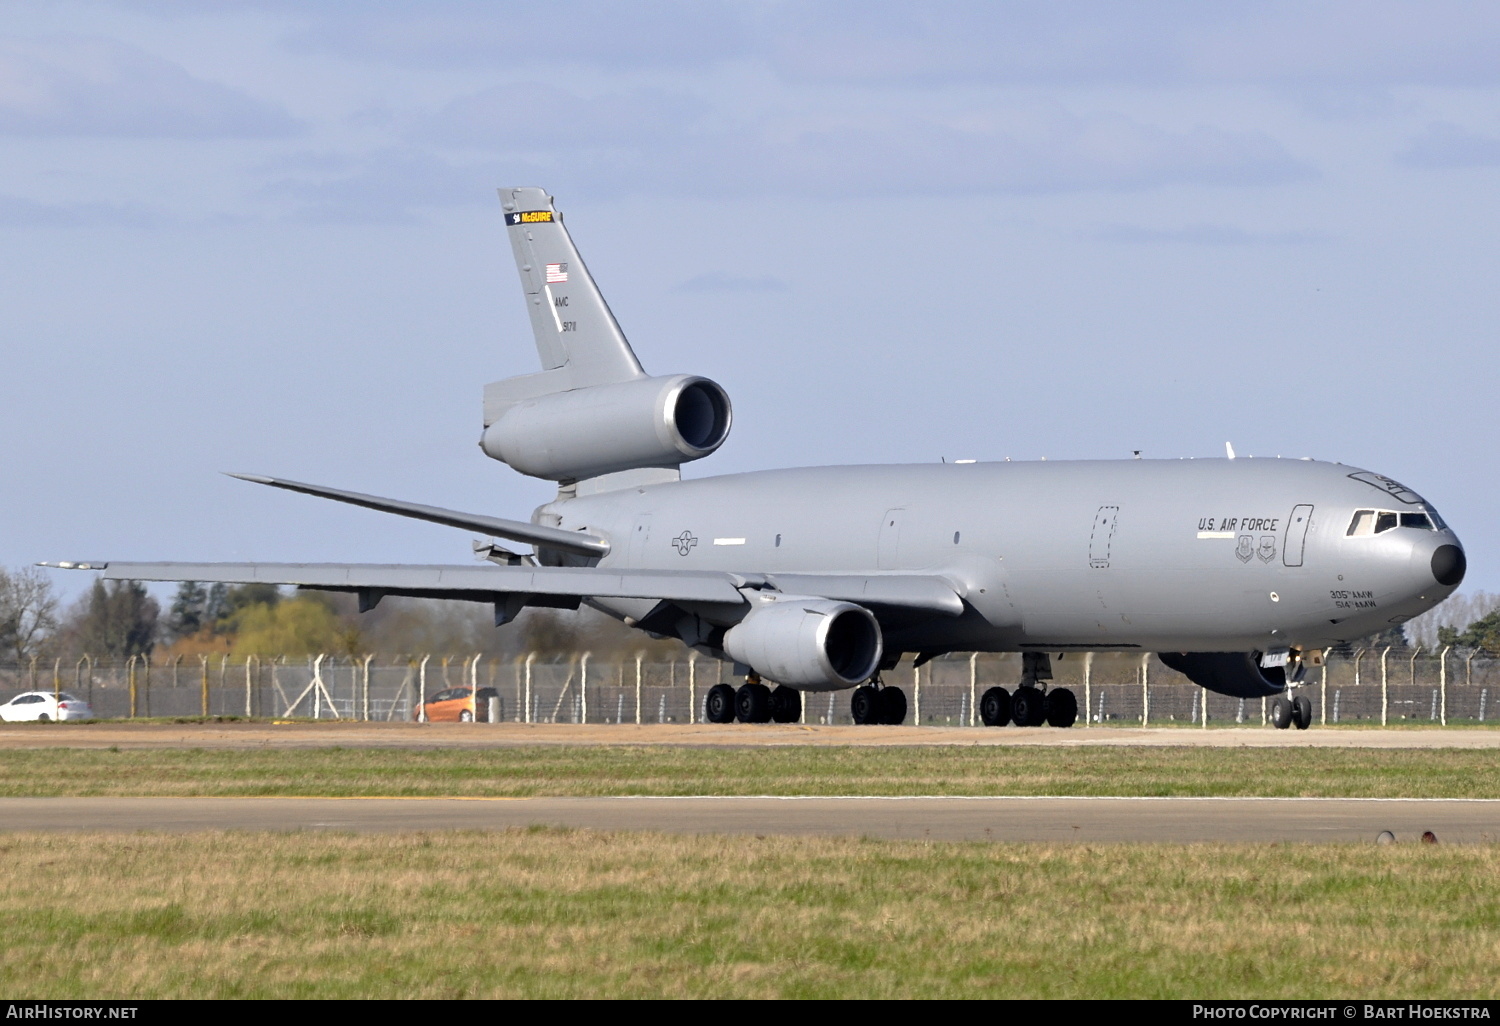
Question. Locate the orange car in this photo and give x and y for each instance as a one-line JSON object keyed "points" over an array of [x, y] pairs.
{"points": [[456, 705]]}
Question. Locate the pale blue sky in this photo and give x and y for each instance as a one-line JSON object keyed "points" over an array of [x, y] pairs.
{"points": [[264, 237]]}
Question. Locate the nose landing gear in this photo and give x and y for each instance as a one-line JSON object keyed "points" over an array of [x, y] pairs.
{"points": [[1291, 712]]}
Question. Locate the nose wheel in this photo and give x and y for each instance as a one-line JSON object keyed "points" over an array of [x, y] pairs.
{"points": [[1291, 712]]}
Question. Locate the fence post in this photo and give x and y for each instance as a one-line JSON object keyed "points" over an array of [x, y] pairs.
{"points": [[1088, 680], [1323, 701], [203, 684], [583, 688], [364, 701], [422, 689], [526, 715], [130, 673], [916, 693], [249, 689], [974, 681], [1383, 682], [1443, 685], [78, 680], [693, 689], [474, 687], [638, 657], [1145, 688]]}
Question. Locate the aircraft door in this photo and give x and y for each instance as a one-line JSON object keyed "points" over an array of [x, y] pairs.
{"points": [[1295, 539], [1102, 539], [888, 551]]}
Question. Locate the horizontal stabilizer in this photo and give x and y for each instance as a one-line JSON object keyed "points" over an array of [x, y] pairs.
{"points": [[578, 542]]}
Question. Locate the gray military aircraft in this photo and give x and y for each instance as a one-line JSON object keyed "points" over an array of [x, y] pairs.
{"points": [[1239, 572]]}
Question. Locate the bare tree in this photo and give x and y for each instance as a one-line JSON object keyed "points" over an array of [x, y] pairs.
{"points": [[28, 612]]}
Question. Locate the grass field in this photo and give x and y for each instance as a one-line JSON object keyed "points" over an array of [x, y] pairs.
{"points": [[566, 771], [550, 913]]}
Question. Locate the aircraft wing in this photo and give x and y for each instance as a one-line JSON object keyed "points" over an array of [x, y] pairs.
{"points": [[483, 583]]}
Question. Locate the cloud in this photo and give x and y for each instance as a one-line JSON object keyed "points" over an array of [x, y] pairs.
{"points": [[598, 33], [1447, 145], [534, 114], [1203, 235], [657, 140], [77, 86], [718, 281], [1349, 43], [18, 212], [390, 184]]}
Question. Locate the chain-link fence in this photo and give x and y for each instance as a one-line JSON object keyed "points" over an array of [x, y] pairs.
{"points": [[1368, 686]]}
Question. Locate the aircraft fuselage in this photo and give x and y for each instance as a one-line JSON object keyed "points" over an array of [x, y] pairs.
{"points": [[1159, 555]]}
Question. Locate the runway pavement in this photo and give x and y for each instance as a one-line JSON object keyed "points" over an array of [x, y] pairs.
{"points": [[325, 734], [1067, 820]]}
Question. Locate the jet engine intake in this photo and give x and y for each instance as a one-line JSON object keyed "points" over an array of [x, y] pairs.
{"points": [[587, 432], [1236, 674], [811, 644]]}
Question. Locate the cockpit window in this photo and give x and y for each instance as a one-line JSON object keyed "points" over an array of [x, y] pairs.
{"points": [[1363, 523], [1367, 522]]}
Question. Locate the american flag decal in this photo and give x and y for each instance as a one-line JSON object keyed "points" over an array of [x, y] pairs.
{"points": [[557, 273]]}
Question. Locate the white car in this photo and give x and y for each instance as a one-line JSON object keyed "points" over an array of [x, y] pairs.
{"points": [[41, 706]]}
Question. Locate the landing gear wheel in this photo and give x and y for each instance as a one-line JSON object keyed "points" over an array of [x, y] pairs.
{"points": [[1026, 707], [718, 707], [786, 704], [994, 707], [865, 705], [1301, 712], [465, 716], [752, 703], [890, 706], [1060, 707], [1281, 714]]}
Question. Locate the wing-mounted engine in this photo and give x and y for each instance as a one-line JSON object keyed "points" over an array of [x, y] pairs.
{"points": [[602, 429], [1236, 674], [811, 644]]}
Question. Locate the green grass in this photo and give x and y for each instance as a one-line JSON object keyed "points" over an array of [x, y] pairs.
{"points": [[551, 913], [563, 770]]}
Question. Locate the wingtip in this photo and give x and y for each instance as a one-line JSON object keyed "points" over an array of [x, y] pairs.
{"points": [[82, 564], [255, 478]]}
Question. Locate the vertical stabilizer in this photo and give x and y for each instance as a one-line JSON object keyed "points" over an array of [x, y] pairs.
{"points": [[575, 331]]}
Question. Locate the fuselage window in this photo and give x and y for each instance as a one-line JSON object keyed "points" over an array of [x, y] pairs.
{"points": [[955, 537]]}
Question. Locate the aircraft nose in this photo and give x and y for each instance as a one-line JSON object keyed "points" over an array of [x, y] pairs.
{"points": [[1449, 565]]}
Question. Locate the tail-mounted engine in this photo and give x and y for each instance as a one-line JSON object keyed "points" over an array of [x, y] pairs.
{"points": [[601, 429], [812, 644]]}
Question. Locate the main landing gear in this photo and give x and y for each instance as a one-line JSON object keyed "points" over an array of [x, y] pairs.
{"points": [[1030, 705], [878, 703], [1291, 712], [753, 702]]}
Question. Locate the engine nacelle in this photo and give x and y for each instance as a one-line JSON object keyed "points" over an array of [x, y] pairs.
{"points": [[1236, 674], [586, 432], [811, 644]]}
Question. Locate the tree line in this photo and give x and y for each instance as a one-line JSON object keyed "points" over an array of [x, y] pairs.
{"points": [[119, 619]]}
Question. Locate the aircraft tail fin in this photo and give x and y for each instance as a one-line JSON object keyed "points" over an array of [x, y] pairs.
{"points": [[577, 337]]}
